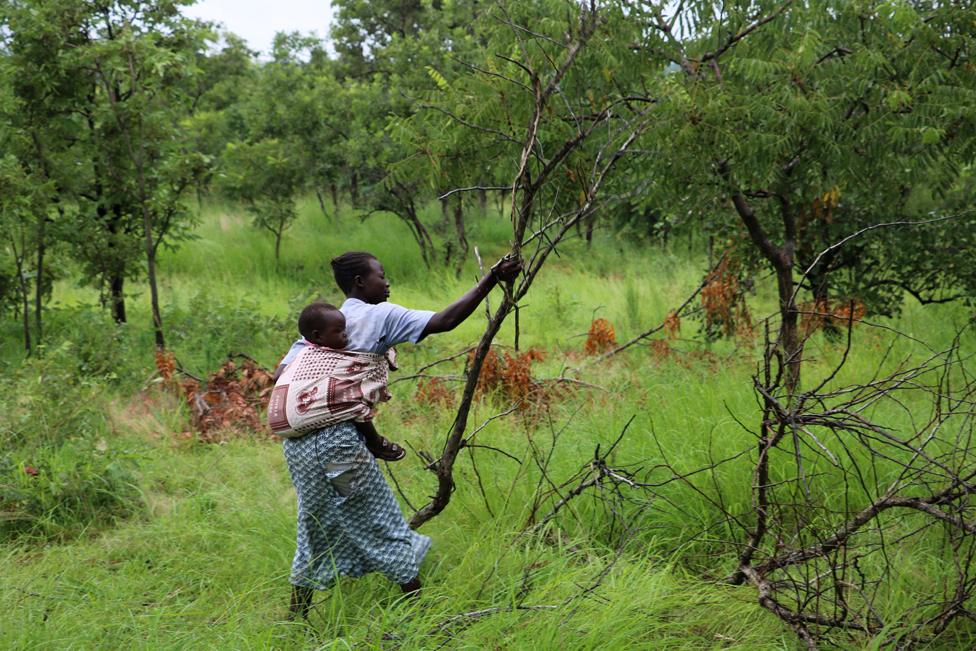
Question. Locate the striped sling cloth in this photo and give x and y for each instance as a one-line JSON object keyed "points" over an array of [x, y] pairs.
{"points": [[324, 386]]}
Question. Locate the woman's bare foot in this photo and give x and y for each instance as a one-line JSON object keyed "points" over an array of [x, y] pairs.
{"points": [[301, 601]]}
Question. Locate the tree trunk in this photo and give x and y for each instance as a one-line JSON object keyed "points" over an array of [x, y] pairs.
{"points": [[354, 189], [403, 207], [116, 287], [24, 291], [421, 236], [41, 239], [318, 195], [444, 226], [781, 259], [334, 191], [445, 465], [39, 278], [790, 341], [157, 316], [277, 235], [26, 309], [482, 202], [590, 224], [461, 236]]}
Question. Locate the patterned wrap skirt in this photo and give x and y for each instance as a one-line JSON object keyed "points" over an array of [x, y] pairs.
{"points": [[349, 522]]}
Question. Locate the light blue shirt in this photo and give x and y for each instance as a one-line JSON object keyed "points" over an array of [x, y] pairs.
{"points": [[375, 328]]}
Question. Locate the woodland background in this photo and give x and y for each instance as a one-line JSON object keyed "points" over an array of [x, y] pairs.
{"points": [[728, 403]]}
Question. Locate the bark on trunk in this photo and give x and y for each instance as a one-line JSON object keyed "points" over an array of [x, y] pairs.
{"points": [[405, 209], [117, 298], [445, 466], [334, 191], [483, 202], [461, 236], [26, 310], [39, 279], [318, 195], [789, 333], [277, 235], [444, 226], [24, 293]]}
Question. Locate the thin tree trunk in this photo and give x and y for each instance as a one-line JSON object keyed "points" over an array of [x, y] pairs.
{"points": [[277, 235], [354, 189], [334, 191], [443, 227], [781, 258], [39, 279], [789, 333], [445, 466], [483, 202], [148, 238], [461, 236], [117, 296], [318, 195], [24, 291], [41, 240], [26, 309]]}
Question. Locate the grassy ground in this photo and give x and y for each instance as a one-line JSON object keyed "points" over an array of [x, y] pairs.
{"points": [[204, 562]]}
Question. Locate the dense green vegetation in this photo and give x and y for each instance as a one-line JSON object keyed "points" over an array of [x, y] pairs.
{"points": [[786, 461], [201, 558]]}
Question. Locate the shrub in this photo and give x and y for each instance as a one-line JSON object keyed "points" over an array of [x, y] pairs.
{"points": [[58, 473]]}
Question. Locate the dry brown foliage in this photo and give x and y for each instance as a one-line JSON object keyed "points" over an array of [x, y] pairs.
{"points": [[511, 376], [434, 391], [672, 325], [822, 313], [723, 302], [661, 350], [231, 400], [600, 338]]}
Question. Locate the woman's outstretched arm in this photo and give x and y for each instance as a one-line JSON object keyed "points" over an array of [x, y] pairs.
{"points": [[454, 314]]}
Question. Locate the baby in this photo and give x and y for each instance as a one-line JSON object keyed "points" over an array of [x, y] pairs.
{"points": [[326, 384]]}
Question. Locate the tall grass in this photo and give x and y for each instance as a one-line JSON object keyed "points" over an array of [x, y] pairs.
{"points": [[204, 562]]}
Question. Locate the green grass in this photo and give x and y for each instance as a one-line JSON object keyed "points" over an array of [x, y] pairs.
{"points": [[204, 562]]}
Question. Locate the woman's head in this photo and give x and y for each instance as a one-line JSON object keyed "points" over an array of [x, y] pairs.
{"points": [[360, 275]]}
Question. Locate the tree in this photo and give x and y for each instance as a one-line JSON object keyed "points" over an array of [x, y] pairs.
{"points": [[44, 88], [139, 74], [266, 176], [532, 98], [101, 88], [813, 121]]}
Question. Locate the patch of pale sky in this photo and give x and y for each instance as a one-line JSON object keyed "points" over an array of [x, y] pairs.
{"points": [[258, 21]]}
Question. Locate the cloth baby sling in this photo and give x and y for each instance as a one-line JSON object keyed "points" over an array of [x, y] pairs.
{"points": [[324, 386]]}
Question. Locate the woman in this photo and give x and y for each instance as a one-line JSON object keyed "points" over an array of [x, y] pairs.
{"points": [[349, 522]]}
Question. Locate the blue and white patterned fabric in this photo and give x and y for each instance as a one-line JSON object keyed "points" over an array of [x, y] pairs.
{"points": [[349, 522]]}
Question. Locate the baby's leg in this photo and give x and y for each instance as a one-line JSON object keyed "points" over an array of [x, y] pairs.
{"points": [[381, 448]]}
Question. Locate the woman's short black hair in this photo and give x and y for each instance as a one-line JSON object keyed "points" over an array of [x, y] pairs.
{"points": [[347, 266], [315, 317]]}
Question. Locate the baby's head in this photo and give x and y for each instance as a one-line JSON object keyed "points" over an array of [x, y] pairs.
{"points": [[324, 325]]}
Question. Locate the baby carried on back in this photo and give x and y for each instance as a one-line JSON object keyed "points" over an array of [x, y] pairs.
{"points": [[325, 385]]}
